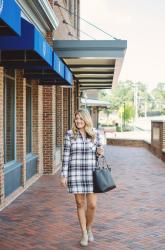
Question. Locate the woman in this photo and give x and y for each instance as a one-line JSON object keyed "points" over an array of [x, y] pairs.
{"points": [[81, 146]]}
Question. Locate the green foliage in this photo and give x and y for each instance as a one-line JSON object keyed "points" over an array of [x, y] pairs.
{"points": [[125, 93], [127, 112], [158, 95]]}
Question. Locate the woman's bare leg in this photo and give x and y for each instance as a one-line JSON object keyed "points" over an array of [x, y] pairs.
{"points": [[91, 208], [80, 201]]}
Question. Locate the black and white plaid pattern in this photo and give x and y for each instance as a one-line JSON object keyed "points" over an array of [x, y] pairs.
{"points": [[79, 161]]}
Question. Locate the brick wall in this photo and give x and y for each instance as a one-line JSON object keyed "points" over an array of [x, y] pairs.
{"points": [[71, 108], [8, 124], [158, 138], [59, 115], [61, 33], [63, 102], [163, 136], [75, 97], [49, 38], [54, 127], [1, 138], [49, 138], [125, 142], [73, 100], [65, 110], [37, 124], [21, 122], [156, 129], [78, 20]]}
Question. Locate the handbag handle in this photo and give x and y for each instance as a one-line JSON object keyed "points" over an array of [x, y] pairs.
{"points": [[102, 163]]}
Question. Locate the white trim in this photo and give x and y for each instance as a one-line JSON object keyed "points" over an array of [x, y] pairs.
{"points": [[31, 132], [5, 99], [40, 13], [49, 12]]}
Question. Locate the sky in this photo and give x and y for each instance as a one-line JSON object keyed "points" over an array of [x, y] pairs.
{"points": [[142, 24]]}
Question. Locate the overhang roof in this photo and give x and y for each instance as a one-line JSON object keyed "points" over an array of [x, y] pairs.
{"points": [[95, 64], [94, 102]]}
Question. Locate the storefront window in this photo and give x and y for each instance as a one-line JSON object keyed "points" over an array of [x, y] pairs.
{"points": [[28, 118], [9, 117]]}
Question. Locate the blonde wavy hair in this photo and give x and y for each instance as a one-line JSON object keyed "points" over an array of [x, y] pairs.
{"points": [[88, 124]]}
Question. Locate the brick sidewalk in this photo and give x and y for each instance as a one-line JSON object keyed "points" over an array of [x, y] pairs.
{"points": [[129, 217]]}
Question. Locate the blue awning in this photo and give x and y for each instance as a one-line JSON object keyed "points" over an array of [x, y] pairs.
{"points": [[32, 53], [68, 75], [58, 65], [30, 49], [59, 74], [10, 18]]}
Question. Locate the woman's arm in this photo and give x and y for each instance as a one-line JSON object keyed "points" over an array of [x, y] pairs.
{"points": [[100, 148], [66, 156]]}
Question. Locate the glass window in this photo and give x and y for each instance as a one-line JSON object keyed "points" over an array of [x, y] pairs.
{"points": [[28, 118], [9, 117]]}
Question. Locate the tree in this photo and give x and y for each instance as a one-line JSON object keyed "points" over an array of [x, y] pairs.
{"points": [[159, 97], [116, 97], [132, 92], [127, 112], [135, 99]]}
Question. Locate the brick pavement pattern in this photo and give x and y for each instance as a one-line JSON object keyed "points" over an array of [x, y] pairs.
{"points": [[130, 217]]}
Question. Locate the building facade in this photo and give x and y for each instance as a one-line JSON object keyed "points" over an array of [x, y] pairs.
{"points": [[44, 68], [33, 117]]}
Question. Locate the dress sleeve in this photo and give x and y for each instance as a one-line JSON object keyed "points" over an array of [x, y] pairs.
{"points": [[66, 156]]}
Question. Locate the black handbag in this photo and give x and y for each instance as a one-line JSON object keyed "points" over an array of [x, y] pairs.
{"points": [[102, 179]]}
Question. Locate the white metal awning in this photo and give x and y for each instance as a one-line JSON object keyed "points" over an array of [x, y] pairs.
{"points": [[95, 103], [95, 64]]}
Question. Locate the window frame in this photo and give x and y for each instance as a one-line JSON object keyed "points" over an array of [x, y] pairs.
{"points": [[29, 85], [6, 75]]}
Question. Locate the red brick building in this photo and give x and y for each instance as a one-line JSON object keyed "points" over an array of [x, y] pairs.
{"points": [[37, 103]]}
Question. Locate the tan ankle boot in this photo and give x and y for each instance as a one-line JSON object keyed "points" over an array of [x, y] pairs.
{"points": [[84, 239], [90, 235]]}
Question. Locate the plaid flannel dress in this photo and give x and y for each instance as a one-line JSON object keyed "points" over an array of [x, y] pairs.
{"points": [[79, 161]]}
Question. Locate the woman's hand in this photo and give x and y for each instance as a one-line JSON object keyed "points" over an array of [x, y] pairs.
{"points": [[100, 150], [63, 181]]}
